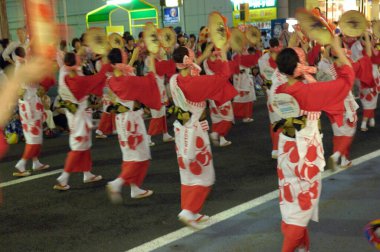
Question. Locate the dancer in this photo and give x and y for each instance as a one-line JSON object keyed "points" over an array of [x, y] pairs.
{"points": [[222, 116], [158, 123], [130, 91], [32, 117], [190, 92], [74, 90], [300, 159], [243, 102], [267, 64]]}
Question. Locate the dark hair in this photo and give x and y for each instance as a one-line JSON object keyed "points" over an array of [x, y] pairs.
{"points": [[62, 44], [287, 61], [74, 41], [202, 28], [70, 59], [203, 46], [114, 56], [4, 43], [82, 37], [141, 34], [126, 34], [129, 38], [263, 33], [20, 51], [251, 50], [179, 53], [273, 42], [193, 36]]}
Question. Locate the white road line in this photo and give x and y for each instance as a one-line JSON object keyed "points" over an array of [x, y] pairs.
{"points": [[33, 177], [183, 232]]}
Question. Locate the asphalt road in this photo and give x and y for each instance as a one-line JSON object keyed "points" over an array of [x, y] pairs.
{"points": [[34, 217]]}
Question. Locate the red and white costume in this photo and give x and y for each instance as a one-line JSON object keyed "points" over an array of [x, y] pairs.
{"points": [[301, 160], [192, 142], [343, 134], [133, 138], [243, 82], [267, 67], [76, 90], [107, 120], [222, 116], [158, 124]]}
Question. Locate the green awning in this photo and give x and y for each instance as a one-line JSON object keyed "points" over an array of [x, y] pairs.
{"points": [[136, 8]]}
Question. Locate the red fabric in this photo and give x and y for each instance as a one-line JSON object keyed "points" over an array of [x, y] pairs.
{"points": [[376, 58], [313, 54], [137, 88], [250, 60], [368, 113], [235, 65], [193, 197], [363, 71], [78, 161], [326, 96], [272, 63], [294, 237], [157, 126], [243, 110], [342, 144], [31, 151], [217, 67], [105, 124], [113, 116], [3, 144], [275, 136], [165, 67], [222, 127], [212, 87], [80, 86], [47, 83], [134, 172]]}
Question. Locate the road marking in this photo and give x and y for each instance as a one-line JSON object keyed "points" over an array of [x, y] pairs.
{"points": [[29, 178], [183, 232]]}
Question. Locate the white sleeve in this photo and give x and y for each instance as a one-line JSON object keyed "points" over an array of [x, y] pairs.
{"points": [[9, 50]]}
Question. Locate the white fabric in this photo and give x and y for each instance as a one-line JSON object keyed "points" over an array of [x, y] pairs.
{"points": [[80, 125], [132, 135], [243, 83], [31, 113], [265, 69], [277, 80], [192, 143], [300, 162], [223, 112]]}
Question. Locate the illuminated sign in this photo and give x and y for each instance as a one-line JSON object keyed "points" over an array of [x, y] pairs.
{"points": [[255, 4], [256, 15]]}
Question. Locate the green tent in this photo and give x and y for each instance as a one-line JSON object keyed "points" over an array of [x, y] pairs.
{"points": [[138, 10]]}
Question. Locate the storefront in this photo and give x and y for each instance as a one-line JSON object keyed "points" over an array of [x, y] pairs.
{"points": [[261, 12], [333, 9]]}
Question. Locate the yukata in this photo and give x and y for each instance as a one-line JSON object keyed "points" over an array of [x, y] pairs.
{"points": [[222, 116], [158, 124], [243, 82], [267, 67], [343, 134], [74, 92], [300, 158], [193, 149], [129, 91]]}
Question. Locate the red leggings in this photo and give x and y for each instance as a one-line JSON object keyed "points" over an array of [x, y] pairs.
{"points": [[294, 237]]}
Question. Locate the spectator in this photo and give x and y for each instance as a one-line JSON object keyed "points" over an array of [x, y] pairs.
{"points": [[285, 35]]}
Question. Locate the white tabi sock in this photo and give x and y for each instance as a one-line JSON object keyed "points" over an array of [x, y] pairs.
{"points": [[21, 165], [223, 141], [188, 215], [371, 122], [214, 135], [344, 161], [87, 175], [116, 184], [336, 156], [363, 125], [135, 190], [36, 164], [166, 136], [64, 178]]}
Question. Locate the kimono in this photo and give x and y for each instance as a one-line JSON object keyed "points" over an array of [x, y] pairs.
{"points": [[193, 150], [74, 92], [300, 158], [158, 124], [132, 135], [222, 116], [243, 83]]}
